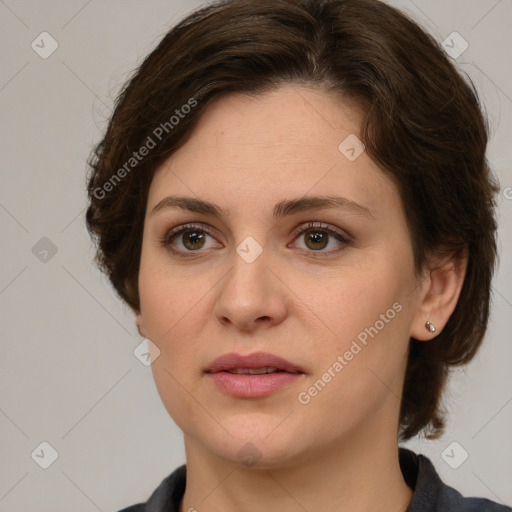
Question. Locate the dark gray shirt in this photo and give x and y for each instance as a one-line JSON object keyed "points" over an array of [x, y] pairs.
{"points": [[430, 493]]}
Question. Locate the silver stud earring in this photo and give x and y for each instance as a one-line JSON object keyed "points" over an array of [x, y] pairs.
{"points": [[430, 326]]}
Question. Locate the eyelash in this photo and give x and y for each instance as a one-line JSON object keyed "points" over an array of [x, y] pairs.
{"points": [[169, 237]]}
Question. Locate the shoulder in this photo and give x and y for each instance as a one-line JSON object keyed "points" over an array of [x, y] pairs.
{"points": [[432, 495], [166, 497]]}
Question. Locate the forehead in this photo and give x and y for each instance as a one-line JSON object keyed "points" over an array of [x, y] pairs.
{"points": [[284, 143], [284, 119]]}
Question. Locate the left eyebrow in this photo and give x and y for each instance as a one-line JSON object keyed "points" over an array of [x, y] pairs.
{"points": [[308, 203], [281, 209]]}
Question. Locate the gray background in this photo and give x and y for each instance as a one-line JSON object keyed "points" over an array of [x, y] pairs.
{"points": [[68, 375]]}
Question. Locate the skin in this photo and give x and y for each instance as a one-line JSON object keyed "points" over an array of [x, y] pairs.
{"points": [[339, 451]]}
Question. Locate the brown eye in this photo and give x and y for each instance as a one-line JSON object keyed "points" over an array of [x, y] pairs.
{"points": [[192, 239], [186, 239], [315, 239]]}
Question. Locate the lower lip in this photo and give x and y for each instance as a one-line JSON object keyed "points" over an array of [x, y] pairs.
{"points": [[253, 386]]}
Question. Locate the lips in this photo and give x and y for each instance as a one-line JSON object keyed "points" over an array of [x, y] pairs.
{"points": [[252, 364], [253, 376]]}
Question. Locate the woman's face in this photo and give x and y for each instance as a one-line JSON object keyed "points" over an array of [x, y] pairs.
{"points": [[335, 299]]}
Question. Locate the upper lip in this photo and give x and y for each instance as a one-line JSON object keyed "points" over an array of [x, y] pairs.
{"points": [[233, 360]]}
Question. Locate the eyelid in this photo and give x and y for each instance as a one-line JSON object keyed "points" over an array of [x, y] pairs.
{"points": [[321, 226], [186, 227], [344, 238]]}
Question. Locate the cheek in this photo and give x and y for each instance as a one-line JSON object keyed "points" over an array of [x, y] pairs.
{"points": [[362, 353], [172, 299], [362, 372], [172, 306], [353, 298]]}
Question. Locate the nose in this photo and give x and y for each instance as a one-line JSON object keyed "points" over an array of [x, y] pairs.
{"points": [[251, 295]]}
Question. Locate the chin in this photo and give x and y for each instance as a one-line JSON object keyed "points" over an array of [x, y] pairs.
{"points": [[255, 442]]}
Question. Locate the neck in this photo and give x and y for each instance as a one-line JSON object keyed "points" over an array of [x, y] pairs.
{"points": [[360, 474]]}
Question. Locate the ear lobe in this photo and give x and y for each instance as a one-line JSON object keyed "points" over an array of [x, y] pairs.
{"points": [[440, 295], [140, 324]]}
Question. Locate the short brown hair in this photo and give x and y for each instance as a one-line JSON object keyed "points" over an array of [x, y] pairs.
{"points": [[423, 126]]}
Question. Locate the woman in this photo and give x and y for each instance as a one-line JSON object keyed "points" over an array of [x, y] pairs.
{"points": [[293, 197]]}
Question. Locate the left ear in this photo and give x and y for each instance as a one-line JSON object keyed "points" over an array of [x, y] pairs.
{"points": [[439, 295]]}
